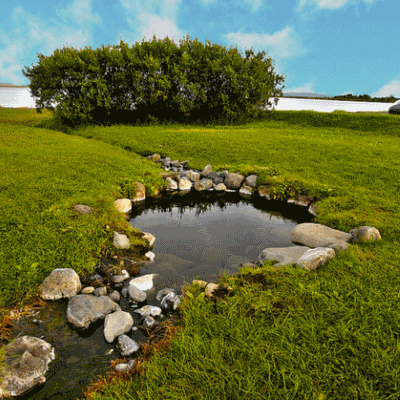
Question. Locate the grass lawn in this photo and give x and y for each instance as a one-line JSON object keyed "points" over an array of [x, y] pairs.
{"points": [[332, 333]]}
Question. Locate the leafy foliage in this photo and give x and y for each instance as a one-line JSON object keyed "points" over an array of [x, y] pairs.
{"points": [[109, 83]]}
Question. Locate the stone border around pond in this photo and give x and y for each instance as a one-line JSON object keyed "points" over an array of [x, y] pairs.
{"points": [[315, 245]]}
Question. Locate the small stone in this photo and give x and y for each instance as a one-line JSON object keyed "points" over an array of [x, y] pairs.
{"points": [[195, 177], [184, 184], [172, 185], [206, 170], [150, 255], [365, 234], [264, 192], [204, 184], [234, 180], [251, 181], [136, 294], [202, 284], [210, 288], [122, 367], [127, 346], [61, 283], [163, 292], [246, 191], [155, 157], [83, 209], [115, 296], [87, 290], [144, 282], [123, 205], [121, 241], [314, 258], [149, 310], [100, 291], [118, 278], [116, 324], [140, 193], [151, 238]]}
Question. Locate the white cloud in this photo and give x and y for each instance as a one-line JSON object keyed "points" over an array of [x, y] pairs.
{"points": [[80, 12], [329, 4], [43, 36], [283, 44], [308, 87], [391, 88]]}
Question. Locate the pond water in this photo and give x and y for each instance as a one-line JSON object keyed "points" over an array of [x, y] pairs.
{"points": [[203, 234]]}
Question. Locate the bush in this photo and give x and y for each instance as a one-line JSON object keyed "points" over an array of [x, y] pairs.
{"points": [[101, 86]]}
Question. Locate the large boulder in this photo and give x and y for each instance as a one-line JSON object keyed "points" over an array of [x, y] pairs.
{"points": [[234, 180], [116, 324], [61, 283], [140, 193], [317, 235], [84, 309], [26, 362], [283, 255]]}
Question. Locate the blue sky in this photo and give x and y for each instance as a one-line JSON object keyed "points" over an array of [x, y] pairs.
{"points": [[330, 47]]}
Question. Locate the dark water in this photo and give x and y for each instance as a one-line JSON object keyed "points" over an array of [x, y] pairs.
{"points": [[202, 235]]}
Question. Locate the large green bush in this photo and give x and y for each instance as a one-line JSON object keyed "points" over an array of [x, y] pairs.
{"points": [[92, 86]]}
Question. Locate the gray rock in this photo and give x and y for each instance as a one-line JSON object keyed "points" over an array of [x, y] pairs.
{"points": [[224, 174], [215, 178], [312, 209], [172, 185], [302, 201], [144, 282], [136, 294], [251, 181], [118, 278], [204, 184], [115, 296], [149, 310], [206, 170], [339, 246], [116, 324], [317, 235], [149, 321], [163, 292], [26, 361], [127, 346], [365, 234], [171, 301], [246, 191], [167, 162], [283, 255], [100, 291], [61, 283], [314, 258], [84, 309], [121, 241], [195, 176], [175, 163], [83, 209], [234, 180]]}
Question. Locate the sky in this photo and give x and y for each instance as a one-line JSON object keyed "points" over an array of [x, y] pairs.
{"points": [[330, 47]]}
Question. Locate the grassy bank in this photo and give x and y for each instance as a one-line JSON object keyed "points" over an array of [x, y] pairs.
{"points": [[285, 333]]}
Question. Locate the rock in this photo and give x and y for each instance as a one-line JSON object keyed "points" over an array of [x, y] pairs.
{"points": [[184, 184], [116, 324], [171, 301], [149, 237], [210, 288], [140, 192], [123, 205], [127, 346], [302, 201], [220, 187], [163, 292], [122, 367], [339, 246], [204, 184], [317, 235], [144, 282], [149, 310], [100, 291], [283, 255], [150, 255], [195, 177], [84, 309], [202, 284], [87, 290], [61, 283], [115, 296], [26, 361], [83, 209], [215, 178], [246, 191], [265, 192], [175, 163], [234, 180], [312, 209], [149, 321], [172, 185], [206, 170], [136, 294], [365, 234], [251, 181], [314, 258], [118, 278], [155, 157], [121, 241], [166, 162]]}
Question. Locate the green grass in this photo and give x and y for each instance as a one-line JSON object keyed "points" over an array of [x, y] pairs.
{"points": [[285, 333]]}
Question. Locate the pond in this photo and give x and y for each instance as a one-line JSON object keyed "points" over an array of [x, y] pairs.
{"points": [[204, 234]]}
